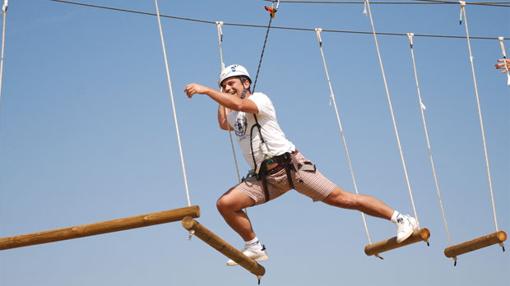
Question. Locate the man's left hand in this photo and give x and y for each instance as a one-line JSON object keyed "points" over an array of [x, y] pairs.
{"points": [[503, 65]]}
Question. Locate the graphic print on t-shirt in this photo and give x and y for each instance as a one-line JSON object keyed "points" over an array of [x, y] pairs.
{"points": [[241, 125]]}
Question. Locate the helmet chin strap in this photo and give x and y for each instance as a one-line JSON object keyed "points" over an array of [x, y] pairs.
{"points": [[245, 90], [243, 94]]}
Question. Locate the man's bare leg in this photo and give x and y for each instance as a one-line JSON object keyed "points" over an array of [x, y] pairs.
{"points": [[363, 203], [374, 207], [231, 206]]}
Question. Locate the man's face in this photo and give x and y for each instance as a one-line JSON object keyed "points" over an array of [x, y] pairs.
{"points": [[234, 86]]}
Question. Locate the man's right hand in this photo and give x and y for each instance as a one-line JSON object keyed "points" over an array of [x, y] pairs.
{"points": [[195, 88]]}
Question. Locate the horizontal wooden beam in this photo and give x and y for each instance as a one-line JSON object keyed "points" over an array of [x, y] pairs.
{"points": [[475, 244], [98, 228], [422, 234], [222, 246]]}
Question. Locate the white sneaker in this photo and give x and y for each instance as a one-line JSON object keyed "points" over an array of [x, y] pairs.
{"points": [[406, 225], [255, 254]]}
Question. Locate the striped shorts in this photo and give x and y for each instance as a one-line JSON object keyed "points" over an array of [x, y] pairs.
{"points": [[310, 183]]}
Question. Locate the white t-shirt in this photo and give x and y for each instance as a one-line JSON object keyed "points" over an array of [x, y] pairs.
{"points": [[273, 135]]}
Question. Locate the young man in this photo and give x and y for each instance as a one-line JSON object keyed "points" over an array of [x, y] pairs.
{"points": [[277, 166]]}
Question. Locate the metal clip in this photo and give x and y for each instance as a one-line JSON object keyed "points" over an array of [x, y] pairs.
{"points": [[410, 37], [273, 9], [5, 6], [318, 32]]}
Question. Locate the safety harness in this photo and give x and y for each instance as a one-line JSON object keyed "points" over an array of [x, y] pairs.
{"points": [[283, 161]]}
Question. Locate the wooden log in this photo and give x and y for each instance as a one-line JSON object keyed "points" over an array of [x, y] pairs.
{"points": [[98, 228], [475, 244], [422, 234], [222, 246]]}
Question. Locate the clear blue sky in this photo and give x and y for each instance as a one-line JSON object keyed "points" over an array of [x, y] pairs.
{"points": [[86, 134]]}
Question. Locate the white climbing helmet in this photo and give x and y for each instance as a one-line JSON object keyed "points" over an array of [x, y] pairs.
{"points": [[233, 70]]}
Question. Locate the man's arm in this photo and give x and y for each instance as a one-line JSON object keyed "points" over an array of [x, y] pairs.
{"points": [[224, 99], [222, 118]]}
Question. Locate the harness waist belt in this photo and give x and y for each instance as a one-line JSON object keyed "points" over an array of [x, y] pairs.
{"points": [[283, 161]]}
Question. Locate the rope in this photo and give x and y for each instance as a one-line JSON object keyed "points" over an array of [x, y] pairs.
{"points": [[167, 69], [503, 52], [262, 54], [271, 16], [342, 135], [388, 96], [416, 2], [300, 29], [4, 21], [219, 25], [219, 29], [475, 85], [422, 107], [493, 4]]}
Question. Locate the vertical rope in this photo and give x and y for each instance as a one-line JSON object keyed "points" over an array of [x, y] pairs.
{"points": [[219, 26], [410, 37], [388, 96], [475, 85], [271, 16], [262, 54], [503, 53], [4, 21], [169, 81], [340, 127]]}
